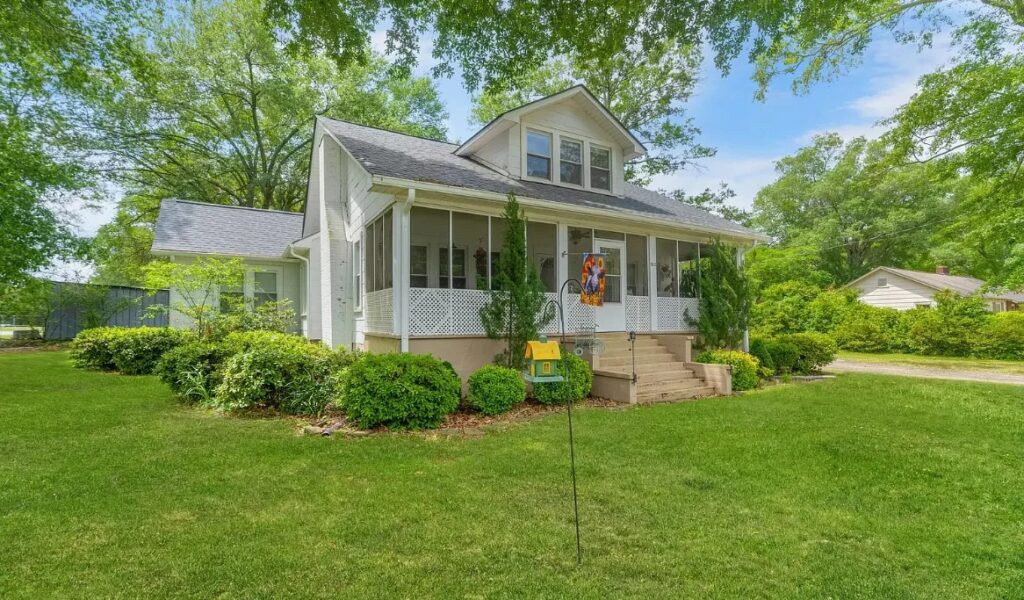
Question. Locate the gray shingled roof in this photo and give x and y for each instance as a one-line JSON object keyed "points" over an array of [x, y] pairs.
{"points": [[391, 154], [202, 228], [965, 286]]}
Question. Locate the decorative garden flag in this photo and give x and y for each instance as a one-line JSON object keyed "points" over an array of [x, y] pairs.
{"points": [[593, 279]]}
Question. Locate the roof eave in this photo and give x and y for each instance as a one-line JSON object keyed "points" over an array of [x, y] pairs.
{"points": [[399, 182]]}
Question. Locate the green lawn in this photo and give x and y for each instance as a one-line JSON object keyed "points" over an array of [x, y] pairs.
{"points": [[1015, 367], [859, 487]]}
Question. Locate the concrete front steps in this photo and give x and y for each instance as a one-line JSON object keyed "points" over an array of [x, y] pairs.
{"points": [[661, 375]]}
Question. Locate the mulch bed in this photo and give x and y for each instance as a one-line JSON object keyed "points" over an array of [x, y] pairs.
{"points": [[464, 422]]}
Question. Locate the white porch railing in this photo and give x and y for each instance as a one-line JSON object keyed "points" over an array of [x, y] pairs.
{"points": [[436, 312], [379, 312]]}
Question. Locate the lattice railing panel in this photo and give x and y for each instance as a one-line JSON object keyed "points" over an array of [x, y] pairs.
{"points": [[672, 314], [429, 311], [379, 312], [638, 313], [466, 305]]}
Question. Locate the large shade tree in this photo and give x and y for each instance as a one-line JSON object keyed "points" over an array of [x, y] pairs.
{"points": [[848, 211]]}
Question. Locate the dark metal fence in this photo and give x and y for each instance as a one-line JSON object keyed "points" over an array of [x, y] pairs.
{"points": [[80, 306]]}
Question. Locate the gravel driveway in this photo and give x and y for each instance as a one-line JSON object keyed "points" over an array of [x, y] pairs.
{"points": [[851, 366]]}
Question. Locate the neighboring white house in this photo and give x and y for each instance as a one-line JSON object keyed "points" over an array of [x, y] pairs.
{"points": [[400, 234], [903, 290]]}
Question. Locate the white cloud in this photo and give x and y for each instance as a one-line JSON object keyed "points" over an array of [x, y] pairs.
{"points": [[746, 175], [897, 68]]}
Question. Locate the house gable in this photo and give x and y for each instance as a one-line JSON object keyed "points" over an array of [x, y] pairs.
{"points": [[887, 289], [569, 124]]}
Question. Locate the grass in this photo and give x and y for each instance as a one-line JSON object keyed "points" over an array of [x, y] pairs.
{"points": [[862, 486], [1014, 367]]}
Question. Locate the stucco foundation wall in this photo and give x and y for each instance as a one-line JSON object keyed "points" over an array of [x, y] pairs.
{"points": [[381, 344], [467, 354]]}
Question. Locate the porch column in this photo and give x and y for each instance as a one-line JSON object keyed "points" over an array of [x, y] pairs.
{"points": [[652, 279], [402, 225], [562, 245], [740, 251]]}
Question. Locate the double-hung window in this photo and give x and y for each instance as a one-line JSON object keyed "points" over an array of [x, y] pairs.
{"points": [[264, 287], [570, 164], [538, 154], [600, 168], [357, 273]]}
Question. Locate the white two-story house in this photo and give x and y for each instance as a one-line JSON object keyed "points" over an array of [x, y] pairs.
{"points": [[400, 235]]}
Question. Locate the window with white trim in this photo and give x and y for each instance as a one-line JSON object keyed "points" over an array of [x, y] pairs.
{"points": [[264, 287], [600, 168], [570, 161], [376, 249], [538, 154]]}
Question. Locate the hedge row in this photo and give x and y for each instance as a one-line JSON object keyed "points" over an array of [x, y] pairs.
{"points": [[956, 326], [264, 369]]}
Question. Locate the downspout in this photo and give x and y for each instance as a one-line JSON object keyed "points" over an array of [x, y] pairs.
{"points": [[403, 308], [303, 291]]}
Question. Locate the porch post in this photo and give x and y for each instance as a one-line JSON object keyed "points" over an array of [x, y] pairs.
{"points": [[562, 249], [401, 253], [740, 251], [652, 279]]}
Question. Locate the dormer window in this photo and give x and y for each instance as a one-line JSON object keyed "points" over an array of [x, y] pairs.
{"points": [[571, 162], [538, 154], [600, 168]]}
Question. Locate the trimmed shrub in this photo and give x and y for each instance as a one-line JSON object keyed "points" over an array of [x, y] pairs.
{"points": [[949, 329], [399, 391], [745, 367], [759, 349], [1002, 337], [871, 329], [494, 389], [91, 348], [814, 350], [784, 355], [831, 308], [137, 350], [279, 371], [578, 381], [130, 350], [193, 369]]}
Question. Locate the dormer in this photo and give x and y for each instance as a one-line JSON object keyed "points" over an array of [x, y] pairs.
{"points": [[568, 139]]}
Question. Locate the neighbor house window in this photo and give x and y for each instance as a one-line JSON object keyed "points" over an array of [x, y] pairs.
{"points": [[570, 165], [538, 154], [600, 168], [883, 282], [264, 287], [357, 273]]}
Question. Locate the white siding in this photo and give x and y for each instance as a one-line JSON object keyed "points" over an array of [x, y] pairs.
{"points": [[899, 293]]}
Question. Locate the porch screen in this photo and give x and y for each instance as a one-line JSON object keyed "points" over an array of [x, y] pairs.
{"points": [[666, 270], [689, 270], [580, 241], [636, 265], [428, 245], [469, 254], [541, 248], [376, 250]]}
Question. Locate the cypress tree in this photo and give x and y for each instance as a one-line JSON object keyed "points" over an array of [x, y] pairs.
{"points": [[724, 297], [513, 311]]}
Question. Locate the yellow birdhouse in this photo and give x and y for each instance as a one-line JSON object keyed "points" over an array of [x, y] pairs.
{"points": [[542, 359]]}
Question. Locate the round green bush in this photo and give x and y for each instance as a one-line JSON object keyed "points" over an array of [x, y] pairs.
{"points": [[759, 349], [784, 355], [193, 369], [494, 390], [281, 371], [815, 350], [1002, 337], [91, 348], [744, 366], [137, 350], [130, 350], [578, 381], [399, 391]]}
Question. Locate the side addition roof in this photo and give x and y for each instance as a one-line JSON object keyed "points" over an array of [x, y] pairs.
{"points": [[389, 154], [203, 228]]}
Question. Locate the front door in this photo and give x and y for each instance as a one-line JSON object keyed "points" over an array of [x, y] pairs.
{"points": [[611, 316]]}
